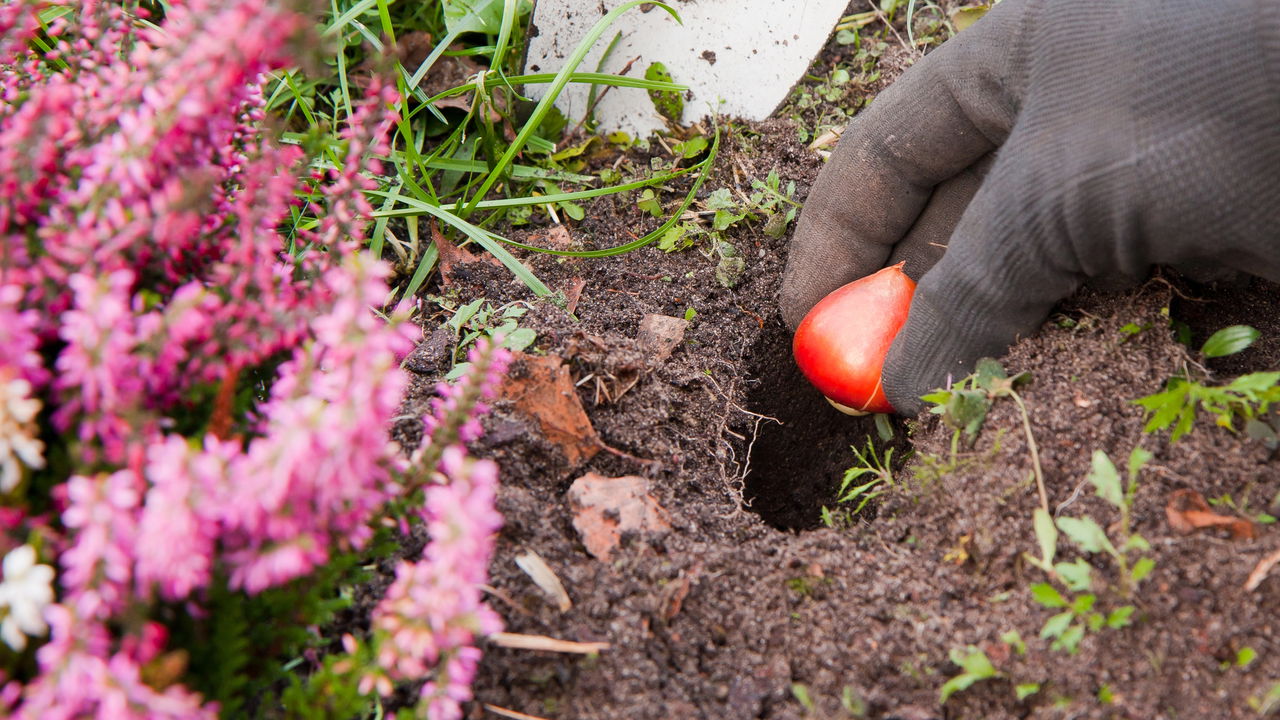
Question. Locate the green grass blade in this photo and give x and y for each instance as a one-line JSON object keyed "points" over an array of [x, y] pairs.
{"points": [[428, 261], [379, 234], [544, 199], [416, 79], [489, 242], [544, 105], [705, 167], [504, 34], [345, 18]]}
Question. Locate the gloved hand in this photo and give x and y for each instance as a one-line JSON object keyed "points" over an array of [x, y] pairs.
{"points": [[1051, 142]]}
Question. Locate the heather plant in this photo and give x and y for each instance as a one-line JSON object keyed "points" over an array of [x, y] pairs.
{"points": [[195, 388]]}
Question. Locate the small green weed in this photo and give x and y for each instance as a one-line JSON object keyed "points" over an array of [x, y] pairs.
{"points": [[1077, 614], [975, 667], [480, 318], [772, 204], [869, 477], [964, 407], [1248, 396]]}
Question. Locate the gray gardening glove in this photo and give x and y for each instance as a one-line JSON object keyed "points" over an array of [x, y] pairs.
{"points": [[1052, 142]]}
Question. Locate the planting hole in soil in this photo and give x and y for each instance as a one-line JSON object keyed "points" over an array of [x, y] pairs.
{"points": [[796, 466]]}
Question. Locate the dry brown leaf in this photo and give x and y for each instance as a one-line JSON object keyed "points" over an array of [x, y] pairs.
{"points": [[1187, 512], [451, 256], [671, 599], [556, 237], [659, 335], [605, 508], [541, 388], [572, 293]]}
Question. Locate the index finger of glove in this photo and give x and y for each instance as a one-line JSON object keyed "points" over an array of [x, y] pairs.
{"points": [[944, 114]]}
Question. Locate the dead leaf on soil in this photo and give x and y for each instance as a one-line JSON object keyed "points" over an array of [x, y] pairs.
{"points": [[545, 578], [604, 508], [1261, 570], [674, 593], [541, 388], [452, 257], [1187, 512], [572, 293], [659, 335], [556, 237]]}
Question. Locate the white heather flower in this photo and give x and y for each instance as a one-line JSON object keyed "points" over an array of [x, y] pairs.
{"points": [[25, 592], [17, 425]]}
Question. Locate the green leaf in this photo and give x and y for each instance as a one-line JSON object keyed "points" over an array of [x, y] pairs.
{"points": [[1229, 341], [1106, 480], [1135, 542], [986, 370], [675, 238], [884, 428], [976, 665], [801, 693], [458, 371], [1245, 656], [1137, 460], [1046, 534], [1056, 625], [1083, 603], [1086, 533], [975, 662], [464, 314], [1120, 617], [1077, 576], [723, 219], [721, 199], [1024, 690], [963, 18], [1142, 569], [519, 339], [484, 16], [1047, 595], [955, 685], [1014, 639], [669, 105], [1069, 640], [966, 410], [692, 147], [938, 398], [1254, 382], [649, 203]]}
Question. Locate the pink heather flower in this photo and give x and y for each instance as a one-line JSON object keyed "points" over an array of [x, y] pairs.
{"points": [[18, 336], [140, 213], [176, 534], [428, 619], [98, 566], [79, 678], [100, 379]]}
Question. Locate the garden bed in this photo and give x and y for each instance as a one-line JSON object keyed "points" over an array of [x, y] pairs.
{"points": [[732, 599]]}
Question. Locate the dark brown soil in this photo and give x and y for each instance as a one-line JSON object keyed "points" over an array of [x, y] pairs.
{"points": [[748, 596]]}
